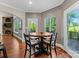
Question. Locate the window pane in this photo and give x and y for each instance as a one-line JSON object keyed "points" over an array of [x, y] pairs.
{"points": [[50, 24], [53, 29], [32, 24], [73, 30], [16, 26], [53, 23], [47, 29]]}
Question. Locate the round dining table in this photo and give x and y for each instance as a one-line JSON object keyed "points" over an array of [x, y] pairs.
{"points": [[41, 36]]}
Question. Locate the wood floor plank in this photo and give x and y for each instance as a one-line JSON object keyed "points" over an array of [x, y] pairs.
{"points": [[15, 49]]}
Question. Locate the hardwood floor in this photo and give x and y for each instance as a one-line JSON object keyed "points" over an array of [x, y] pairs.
{"points": [[12, 46], [15, 49]]}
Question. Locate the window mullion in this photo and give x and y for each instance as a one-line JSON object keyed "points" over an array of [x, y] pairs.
{"points": [[50, 25]]}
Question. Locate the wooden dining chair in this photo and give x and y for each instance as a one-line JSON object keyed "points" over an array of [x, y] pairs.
{"points": [[31, 43], [51, 43], [3, 49]]}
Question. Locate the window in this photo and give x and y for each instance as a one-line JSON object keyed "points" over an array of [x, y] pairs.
{"points": [[17, 25], [73, 29], [32, 24], [50, 24]]}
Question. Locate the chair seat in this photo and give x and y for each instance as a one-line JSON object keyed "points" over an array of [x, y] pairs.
{"points": [[1, 46], [34, 42], [47, 37], [48, 41]]}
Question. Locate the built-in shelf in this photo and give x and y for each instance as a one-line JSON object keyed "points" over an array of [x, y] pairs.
{"points": [[7, 25]]}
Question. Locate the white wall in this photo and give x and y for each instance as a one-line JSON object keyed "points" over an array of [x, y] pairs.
{"points": [[14, 12]]}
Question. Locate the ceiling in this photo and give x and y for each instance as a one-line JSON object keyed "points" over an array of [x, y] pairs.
{"points": [[37, 6]]}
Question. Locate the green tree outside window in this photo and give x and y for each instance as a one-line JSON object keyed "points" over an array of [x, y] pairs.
{"points": [[50, 24], [16, 26], [73, 24], [32, 26]]}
